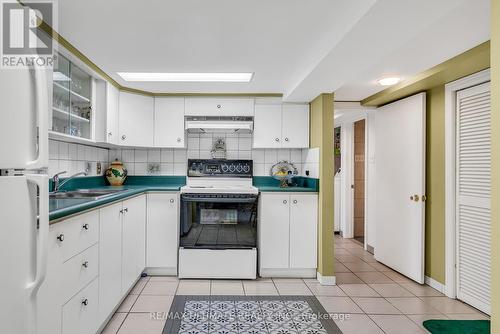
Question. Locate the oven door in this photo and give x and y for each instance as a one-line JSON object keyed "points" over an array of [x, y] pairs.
{"points": [[218, 221]]}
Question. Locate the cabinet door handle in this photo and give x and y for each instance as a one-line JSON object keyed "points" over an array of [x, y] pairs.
{"points": [[85, 226], [179, 140], [171, 200], [277, 139], [60, 237], [286, 139], [125, 210], [285, 201], [294, 201], [219, 106], [124, 137], [85, 264], [85, 302], [110, 134]]}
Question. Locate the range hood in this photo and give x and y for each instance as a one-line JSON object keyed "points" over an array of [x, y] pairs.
{"points": [[208, 124]]}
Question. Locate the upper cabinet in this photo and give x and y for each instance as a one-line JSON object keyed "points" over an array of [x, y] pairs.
{"points": [[72, 91], [281, 126], [136, 120], [112, 108], [219, 107], [169, 122]]}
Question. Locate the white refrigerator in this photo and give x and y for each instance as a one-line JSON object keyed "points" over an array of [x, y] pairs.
{"points": [[24, 208]]}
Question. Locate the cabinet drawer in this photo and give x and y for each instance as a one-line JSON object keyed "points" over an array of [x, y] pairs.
{"points": [[219, 107], [79, 315], [74, 235], [79, 271]]}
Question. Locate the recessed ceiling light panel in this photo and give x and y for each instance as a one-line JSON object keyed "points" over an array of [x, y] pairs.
{"points": [[186, 77], [389, 80]]}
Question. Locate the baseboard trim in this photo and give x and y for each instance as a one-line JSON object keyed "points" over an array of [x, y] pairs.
{"points": [[434, 284], [370, 249], [325, 280], [155, 271]]}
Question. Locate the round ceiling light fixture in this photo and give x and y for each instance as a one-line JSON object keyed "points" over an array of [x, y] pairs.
{"points": [[389, 80]]}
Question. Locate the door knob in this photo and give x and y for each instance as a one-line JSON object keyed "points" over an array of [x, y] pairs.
{"points": [[284, 201], [85, 264], [60, 237], [178, 140], [124, 137], [85, 302], [415, 198], [276, 139], [171, 200], [85, 226], [294, 201], [286, 139]]}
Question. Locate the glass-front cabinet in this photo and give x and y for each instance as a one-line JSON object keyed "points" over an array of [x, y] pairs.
{"points": [[72, 112]]}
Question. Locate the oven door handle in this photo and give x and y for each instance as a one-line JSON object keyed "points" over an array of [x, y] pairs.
{"points": [[219, 200]]}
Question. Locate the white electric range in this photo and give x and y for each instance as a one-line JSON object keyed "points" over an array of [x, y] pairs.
{"points": [[218, 225]]}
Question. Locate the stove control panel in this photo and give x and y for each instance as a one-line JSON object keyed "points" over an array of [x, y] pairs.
{"points": [[219, 168]]}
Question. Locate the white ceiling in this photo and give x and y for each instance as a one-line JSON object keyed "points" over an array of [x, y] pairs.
{"points": [[295, 47]]}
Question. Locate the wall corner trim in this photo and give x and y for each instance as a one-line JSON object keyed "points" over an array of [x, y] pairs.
{"points": [[326, 280]]}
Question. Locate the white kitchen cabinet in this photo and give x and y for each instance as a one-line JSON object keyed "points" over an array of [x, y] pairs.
{"points": [[274, 230], [80, 314], [169, 122], [288, 234], [303, 231], [267, 126], [133, 240], [295, 126], [219, 107], [110, 259], [112, 110], [281, 126], [136, 120], [162, 233]]}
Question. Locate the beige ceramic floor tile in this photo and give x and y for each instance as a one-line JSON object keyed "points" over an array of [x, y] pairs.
{"points": [[339, 305], [136, 323], [287, 280], [359, 266], [141, 283], [359, 290], [447, 305], [227, 288], [340, 268], [347, 278], [127, 303], [375, 305], [192, 287], [412, 305], [160, 288], [396, 324], [421, 290], [358, 323], [114, 323], [293, 289], [380, 267], [325, 290], [259, 288], [391, 290], [146, 303], [420, 318], [348, 259], [373, 277], [341, 251], [468, 316], [397, 277]]}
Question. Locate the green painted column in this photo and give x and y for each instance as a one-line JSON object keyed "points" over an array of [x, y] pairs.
{"points": [[321, 133], [495, 166]]}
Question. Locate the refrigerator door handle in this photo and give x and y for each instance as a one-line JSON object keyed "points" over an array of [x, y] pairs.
{"points": [[42, 108], [42, 181]]}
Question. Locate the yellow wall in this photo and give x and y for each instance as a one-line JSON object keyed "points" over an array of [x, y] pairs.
{"points": [[321, 135], [495, 149], [434, 214]]}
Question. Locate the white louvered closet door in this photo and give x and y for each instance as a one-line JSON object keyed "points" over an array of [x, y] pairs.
{"points": [[473, 196]]}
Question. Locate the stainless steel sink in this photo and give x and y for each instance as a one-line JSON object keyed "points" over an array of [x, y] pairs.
{"points": [[93, 194]]}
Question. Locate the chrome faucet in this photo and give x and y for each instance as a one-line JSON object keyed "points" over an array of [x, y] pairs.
{"points": [[58, 184]]}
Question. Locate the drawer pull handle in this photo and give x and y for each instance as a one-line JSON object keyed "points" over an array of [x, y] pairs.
{"points": [[285, 201], [178, 140], [218, 106], [171, 200], [294, 201], [277, 139], [85, 302], [85, 226], [60, 237], [125, 210], [286, 139], [85, 264]]}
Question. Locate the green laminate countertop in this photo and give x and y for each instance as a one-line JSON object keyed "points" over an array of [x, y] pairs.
{"points": [[136, 185]]}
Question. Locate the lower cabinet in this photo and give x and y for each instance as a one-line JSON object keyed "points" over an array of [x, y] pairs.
{"points": [[288, 234], [162, 236], [80, 313]]}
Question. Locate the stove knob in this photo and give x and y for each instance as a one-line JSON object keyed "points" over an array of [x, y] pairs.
{"points": [[246, 168], [225, 168], [239, 168], [232, 168]]}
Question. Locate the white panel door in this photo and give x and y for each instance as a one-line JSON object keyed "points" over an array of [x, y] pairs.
{"points": [[303, 231], [473, 200], [136, 118], [400, 185], [274, 230], [169, 122], [162, 230], [112, 107], [295, 126], [110, 259], [267, 126]]}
